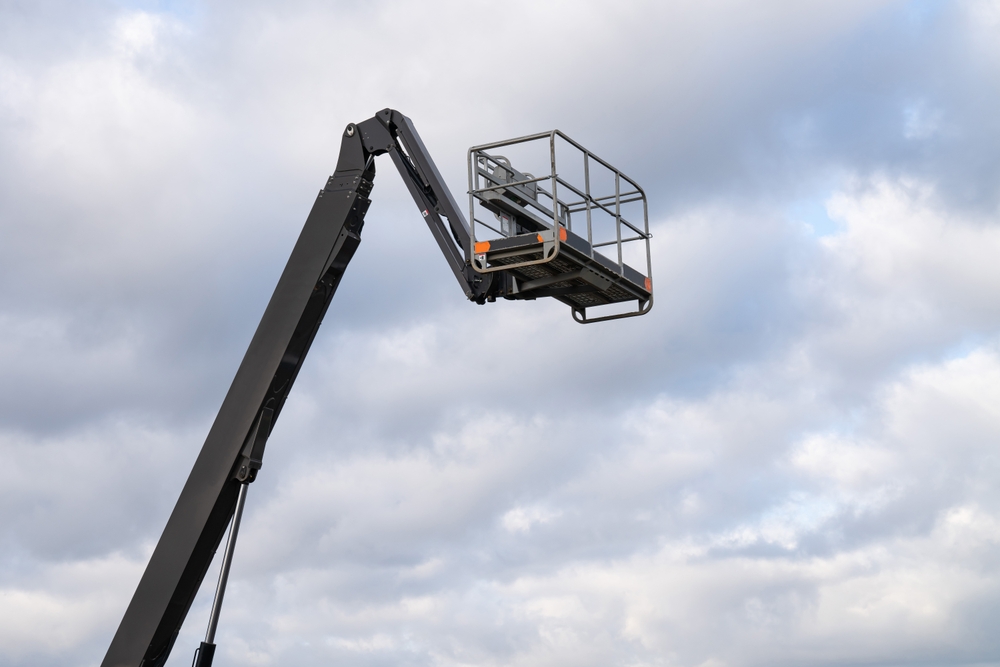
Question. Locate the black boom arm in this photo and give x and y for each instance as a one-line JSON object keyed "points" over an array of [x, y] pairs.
{"points": [[233, 450], [392, 132]]}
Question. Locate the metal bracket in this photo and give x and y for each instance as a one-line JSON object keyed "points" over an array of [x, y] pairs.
{"points": [[252, 454]]}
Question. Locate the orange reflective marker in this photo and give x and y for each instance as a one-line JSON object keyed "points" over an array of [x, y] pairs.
{"points": [[481, 246]]}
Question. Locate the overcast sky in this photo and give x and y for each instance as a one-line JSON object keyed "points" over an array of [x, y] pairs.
{"points": [[793, 460]]}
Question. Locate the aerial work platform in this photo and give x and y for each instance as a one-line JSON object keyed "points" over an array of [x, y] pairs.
{"points": [[574, 234]]}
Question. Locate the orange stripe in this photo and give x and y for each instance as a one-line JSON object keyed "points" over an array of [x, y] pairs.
{"points": [[649, 284], [481, 246], [562, 233]]}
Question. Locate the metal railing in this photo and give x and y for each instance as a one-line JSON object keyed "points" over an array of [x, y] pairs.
{"points": [[567, 193]]}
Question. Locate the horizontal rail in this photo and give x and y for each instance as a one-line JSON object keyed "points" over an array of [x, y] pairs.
{"points": [[615, 242], [552, 134], [511, 183], [488, 226]]}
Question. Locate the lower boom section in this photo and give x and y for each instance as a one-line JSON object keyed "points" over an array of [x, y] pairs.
{"points": [[233, 449]]}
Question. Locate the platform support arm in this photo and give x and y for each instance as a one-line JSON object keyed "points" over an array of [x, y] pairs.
{"points": [[389, 131]]}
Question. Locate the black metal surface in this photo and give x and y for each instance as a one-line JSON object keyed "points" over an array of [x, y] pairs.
{"points": [[196, 526], [203, 655], [392, 132]]}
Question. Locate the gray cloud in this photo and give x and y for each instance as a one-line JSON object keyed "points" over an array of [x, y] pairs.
{"points": [[789, 461]]}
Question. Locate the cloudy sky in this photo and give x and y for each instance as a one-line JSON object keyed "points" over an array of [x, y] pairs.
{"points": [[793, 460]]}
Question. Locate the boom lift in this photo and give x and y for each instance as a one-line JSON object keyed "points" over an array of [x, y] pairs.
{"points": [[532, 252]]}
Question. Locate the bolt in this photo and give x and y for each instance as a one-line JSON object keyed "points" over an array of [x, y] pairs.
{"points": [[350, 130]]}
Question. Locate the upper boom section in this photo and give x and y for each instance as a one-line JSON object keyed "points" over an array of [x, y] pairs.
{"points": [[391, 132]]}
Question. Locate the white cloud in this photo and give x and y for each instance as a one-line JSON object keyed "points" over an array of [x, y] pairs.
{"points": [[140, 33], [521, 519], [65, 606]]}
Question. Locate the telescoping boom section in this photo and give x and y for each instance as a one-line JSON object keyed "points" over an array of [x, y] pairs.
{"points": [[545, 243]]}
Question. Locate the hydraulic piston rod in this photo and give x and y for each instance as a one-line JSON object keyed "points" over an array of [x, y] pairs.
{"points": [[206, 652]]}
